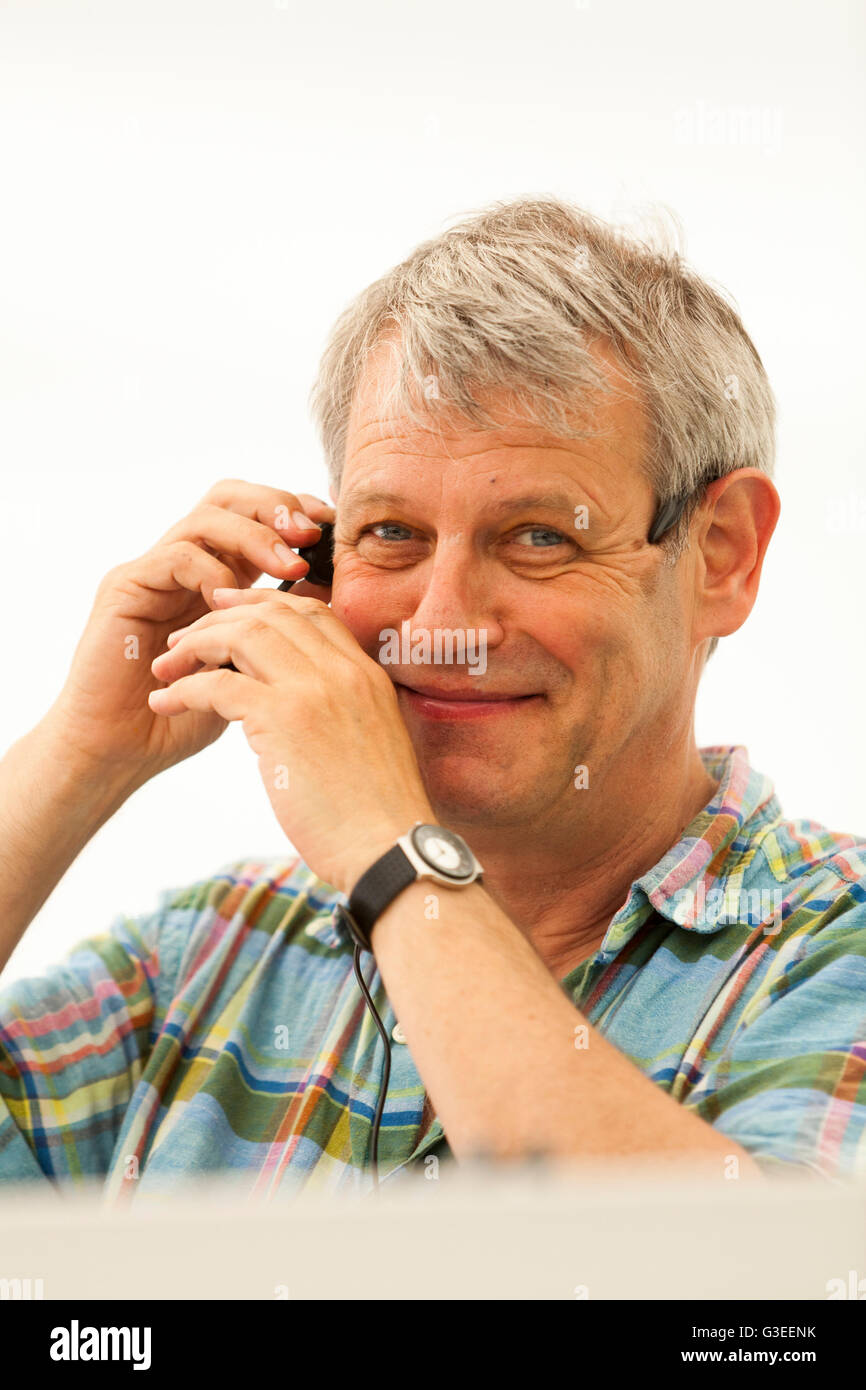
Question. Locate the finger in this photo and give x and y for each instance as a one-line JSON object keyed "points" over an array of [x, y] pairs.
{"points": [[302, 588], [180, 565], [246, 572], [259, 641], [316, 509], [281, 505], [291, 605], [253, 646], [258, 543], [232, 597], [270, 505], [233, 594], [230, 694]]}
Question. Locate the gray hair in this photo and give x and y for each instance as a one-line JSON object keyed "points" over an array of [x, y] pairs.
{"points": [[512, 297]]}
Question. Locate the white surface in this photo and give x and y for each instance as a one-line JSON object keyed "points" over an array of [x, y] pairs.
{"points": [[193, 191], [471, 1236]]}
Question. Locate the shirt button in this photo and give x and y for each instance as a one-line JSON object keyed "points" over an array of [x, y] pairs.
{"points": [[397, 1033]]}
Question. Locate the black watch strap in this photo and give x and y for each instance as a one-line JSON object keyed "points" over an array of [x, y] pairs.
{"points": [[374, 891]]}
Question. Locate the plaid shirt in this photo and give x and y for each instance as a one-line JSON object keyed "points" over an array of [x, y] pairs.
{"points": [[226, 1030]]}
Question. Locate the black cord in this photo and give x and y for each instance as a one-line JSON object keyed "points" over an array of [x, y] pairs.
{"points": [[383, 1091]]}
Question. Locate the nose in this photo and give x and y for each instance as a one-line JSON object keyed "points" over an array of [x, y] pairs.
{"points": [[458, 591]]}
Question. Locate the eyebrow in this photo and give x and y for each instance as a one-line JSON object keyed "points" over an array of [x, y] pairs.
{"points": [[550, 501]]}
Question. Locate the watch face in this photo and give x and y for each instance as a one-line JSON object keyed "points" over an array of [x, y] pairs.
{"points": [[443, 850]]}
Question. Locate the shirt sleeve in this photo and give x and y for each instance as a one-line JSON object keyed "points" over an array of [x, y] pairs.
{"points": [[74, 1042], [790, 1086]]}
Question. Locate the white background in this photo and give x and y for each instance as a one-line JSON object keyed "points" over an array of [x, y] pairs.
{"points": [[191, 192]]}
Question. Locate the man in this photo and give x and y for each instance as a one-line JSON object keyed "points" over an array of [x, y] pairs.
{"points": [[551, 439]]}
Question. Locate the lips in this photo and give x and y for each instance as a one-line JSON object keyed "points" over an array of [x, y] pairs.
{"points": [[464, 694], [461, 703]]}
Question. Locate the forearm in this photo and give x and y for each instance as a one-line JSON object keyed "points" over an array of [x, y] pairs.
{"points": [[51, 804], [494, 1038]]}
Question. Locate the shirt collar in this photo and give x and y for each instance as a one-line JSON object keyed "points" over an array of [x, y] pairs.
{"points": [[711, 854]]}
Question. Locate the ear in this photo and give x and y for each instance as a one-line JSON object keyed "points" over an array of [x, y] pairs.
{"points": [[736, 520], [332, 494]]}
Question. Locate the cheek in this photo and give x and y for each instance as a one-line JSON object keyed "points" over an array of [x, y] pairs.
{"points": [[580, 636], [365, 607], [606, 646]]}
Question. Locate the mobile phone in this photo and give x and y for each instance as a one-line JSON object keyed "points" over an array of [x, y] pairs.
{"points": [[320, 558]]}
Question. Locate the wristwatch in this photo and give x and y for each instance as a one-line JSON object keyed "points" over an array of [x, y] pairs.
{"points": [[426, 851]]}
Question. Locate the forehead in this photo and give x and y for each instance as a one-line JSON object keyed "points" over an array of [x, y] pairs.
{"points": [[385, 448]]}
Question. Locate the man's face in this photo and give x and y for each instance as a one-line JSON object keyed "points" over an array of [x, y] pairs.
{"points": [[539, 543]]}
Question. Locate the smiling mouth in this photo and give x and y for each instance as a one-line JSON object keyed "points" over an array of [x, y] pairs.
{"points": [[462, 694], [462, 702]]}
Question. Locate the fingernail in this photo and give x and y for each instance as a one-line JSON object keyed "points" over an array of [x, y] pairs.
{"points": [[286, 556], [304, 522]]}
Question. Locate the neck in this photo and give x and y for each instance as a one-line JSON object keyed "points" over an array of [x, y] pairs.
{"points": [[563, 879]]}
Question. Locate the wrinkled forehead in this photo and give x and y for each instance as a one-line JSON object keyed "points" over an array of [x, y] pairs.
{"points": [[390, 450]]}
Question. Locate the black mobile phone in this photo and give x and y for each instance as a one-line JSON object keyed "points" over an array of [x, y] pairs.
{"points": [[320, 558]]}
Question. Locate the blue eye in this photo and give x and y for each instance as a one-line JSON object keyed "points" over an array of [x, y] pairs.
{"points": [[557, 537], [388, 526]]}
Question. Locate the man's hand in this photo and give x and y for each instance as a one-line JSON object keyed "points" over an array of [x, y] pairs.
{"points": [[237, 532], [322, 717]]}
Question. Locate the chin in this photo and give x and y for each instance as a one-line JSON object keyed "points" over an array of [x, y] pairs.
{"points": [[473, 795]]}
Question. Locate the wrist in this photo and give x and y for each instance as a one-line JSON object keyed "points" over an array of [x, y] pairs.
{"points": [[426, 853], [373, 842], [93, 783]]}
